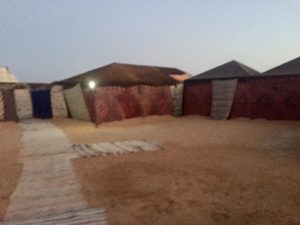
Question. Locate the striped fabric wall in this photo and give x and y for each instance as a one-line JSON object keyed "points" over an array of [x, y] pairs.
{"points": [[177, 98], [223, 95], [23, 103], [59, 108], [76, 103], [1, 106]]}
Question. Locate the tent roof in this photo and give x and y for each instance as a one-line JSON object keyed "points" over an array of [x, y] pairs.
{"points": [[6, 76], [116, 74], [289, 68], [232, 69]]}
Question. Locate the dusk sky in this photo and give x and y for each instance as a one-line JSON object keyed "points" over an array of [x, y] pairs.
{"points": [[47, 40]]}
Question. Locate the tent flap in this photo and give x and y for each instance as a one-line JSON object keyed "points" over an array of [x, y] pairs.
{"points": [[59, 108], [76, 103], [23, 103], [223, 94]]}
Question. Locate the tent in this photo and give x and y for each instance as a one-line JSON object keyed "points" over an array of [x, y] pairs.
{"points": [[126, 91], [211, 93], [275, 94], [6, 76]]}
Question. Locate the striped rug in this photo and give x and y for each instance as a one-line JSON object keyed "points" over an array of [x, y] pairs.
{"points": [[114, 148], [48, 191], [79, 217]]}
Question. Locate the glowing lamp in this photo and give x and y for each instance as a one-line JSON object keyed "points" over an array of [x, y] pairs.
{"points": [[92, 84]]}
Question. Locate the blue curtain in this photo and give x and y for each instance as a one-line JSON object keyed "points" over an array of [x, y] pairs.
{"points": [[41, 103]]}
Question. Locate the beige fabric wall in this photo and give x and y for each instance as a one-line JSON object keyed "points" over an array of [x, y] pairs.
{"points": [[76, 103], [23, 103], [222, 98], [58, 104], [177, 96]]}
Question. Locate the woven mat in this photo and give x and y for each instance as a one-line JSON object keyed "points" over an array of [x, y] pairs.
{"points": [[80, 216], [114, 148], [48, 191]]}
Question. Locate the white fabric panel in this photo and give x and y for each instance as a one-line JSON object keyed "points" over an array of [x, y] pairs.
{"points": [[59, 108], [76, 103], [223, 94], [23, 103], [177, 98]]}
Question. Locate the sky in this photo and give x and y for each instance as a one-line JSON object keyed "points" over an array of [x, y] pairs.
{"points": [[48, 40]]}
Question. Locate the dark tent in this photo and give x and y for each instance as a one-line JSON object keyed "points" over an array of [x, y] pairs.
{"points": [[211, 93]]}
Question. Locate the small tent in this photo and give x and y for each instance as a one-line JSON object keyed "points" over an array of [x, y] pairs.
{"points": [[275, 94], [211, 93], [126, 91], [6, 76]]}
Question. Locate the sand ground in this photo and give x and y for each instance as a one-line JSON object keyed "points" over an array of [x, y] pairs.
{"points": [[210, 172], [10, 167]]}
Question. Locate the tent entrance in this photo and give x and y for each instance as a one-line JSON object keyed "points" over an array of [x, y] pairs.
{"points": [[223, 94]]}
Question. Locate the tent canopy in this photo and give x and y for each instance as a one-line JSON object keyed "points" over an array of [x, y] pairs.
{"points": [[289, 68], [229, 70], [117, 74]]}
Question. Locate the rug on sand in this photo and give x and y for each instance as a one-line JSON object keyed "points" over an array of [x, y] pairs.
{"points": [[114, 148], [48, 191]]}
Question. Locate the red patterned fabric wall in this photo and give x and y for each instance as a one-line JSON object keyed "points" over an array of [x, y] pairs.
{"points": [[197, 98], [117, 103], [269, 98]]}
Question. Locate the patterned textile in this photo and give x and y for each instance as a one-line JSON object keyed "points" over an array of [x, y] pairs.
{"points": [[177, 97], [23, 103], [59, 108], [10, 113], [223, 94], [197, 98], [275, 98], [117, 103], [155, 100], [76, 103], [1, 107], [41, 104]]}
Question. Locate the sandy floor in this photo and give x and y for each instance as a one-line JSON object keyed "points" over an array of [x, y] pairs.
{"points": [[211, 172], [10, 168]]}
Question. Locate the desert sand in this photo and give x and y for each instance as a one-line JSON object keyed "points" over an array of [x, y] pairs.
{"points": [[10, 167], [238, 171]]}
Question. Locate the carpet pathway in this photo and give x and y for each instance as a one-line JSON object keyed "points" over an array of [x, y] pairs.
{"points": [[48, 192]]}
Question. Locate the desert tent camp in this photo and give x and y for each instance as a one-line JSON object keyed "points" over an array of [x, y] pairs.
{"points": [[211, 93], [126, 91], [275, 94]]}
